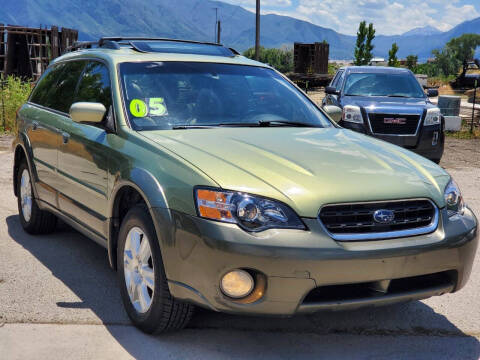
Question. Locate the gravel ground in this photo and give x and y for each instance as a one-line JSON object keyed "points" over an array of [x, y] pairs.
{"points": [[461, 154], [59, 299]]}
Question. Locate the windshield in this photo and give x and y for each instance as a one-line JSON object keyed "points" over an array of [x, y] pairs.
{"points": [[383, 84], [166, 95]]}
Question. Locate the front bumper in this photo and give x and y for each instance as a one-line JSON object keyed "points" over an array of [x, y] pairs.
{"points": [[429, 142], [198, 252]]}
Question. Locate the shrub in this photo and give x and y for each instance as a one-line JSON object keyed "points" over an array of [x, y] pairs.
{"points": [[280, 59], [13, 93]]}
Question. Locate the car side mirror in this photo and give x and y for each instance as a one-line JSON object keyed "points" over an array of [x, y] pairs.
{"points": [[432, 92], [334, 112], [87, 112], [331, 90]]}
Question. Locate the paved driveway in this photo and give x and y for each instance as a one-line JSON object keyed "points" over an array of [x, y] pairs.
{"points": [[59, 299]]}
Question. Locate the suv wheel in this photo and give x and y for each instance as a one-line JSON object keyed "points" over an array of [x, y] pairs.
{"points": [[142, 280], [33, 220]]}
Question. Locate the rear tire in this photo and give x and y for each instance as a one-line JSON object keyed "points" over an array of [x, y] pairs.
{"points": [[34, 221], [142, 279]]}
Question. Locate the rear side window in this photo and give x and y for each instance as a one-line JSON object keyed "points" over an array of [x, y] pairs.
{"points": [[57, 87], [337, 77], [46, 86], [95, 85]]}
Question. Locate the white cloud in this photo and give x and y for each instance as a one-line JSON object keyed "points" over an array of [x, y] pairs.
{"points": [[389, 16], [455, 15]]}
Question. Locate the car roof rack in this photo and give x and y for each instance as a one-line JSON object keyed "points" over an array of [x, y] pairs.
{"points": [[141, 44], [125, 40], [90, 44]]}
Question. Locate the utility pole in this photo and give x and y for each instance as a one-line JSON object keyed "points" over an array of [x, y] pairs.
{"points": [[216, 22], [257, 32]]}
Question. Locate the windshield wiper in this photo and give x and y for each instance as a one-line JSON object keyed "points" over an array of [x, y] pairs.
{"points": [[284, 122], [398, 96], [263, 123], [267, 123], [183, 127]]}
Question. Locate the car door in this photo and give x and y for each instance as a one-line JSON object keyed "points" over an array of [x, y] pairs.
{"points": [[45, 112], [83, 154]]}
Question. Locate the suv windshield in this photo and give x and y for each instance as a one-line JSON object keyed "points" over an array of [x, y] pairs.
{"points": [[166, 95], [383, 84]]}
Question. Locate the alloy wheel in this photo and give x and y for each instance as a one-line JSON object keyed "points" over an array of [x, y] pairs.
{"points": [[139, 270], [26, 195]]}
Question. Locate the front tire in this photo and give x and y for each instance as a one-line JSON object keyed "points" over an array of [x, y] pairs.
{"points": [[33, 220], [142, 279]]}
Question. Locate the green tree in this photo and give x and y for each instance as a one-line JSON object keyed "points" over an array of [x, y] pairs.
{"points": [[446, 61], [392, 55], [412, 61], [280, 59], [364, 45], [368, 55], [430, 69], [463, 49]]}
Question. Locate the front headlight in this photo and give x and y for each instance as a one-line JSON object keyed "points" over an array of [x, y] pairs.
{"points": [[352, 113], [433, 117], [453, 199], [252, 213]]}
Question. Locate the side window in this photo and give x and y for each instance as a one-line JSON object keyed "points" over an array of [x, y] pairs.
{"points": [[61, 97], [335, 79], [44, 92], [339, 84], [95, 85]]}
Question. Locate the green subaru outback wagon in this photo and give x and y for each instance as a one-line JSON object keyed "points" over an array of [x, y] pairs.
{"points": [[214, 181]]}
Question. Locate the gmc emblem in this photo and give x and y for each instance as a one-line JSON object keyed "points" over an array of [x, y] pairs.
{"points": [[399, 121]]}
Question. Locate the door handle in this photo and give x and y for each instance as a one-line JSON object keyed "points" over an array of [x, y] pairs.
{"points": [[34, 125], [65, 137]]}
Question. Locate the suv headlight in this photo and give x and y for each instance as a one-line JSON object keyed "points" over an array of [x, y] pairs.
{"points": [[453, 199], [251, 213], [352, 113], [433, 117]]}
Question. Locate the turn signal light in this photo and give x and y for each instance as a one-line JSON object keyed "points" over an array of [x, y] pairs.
{"points": [[215, 205]]}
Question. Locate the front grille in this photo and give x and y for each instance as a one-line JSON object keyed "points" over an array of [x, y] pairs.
{"points": [[358, 218], [391, 124]]}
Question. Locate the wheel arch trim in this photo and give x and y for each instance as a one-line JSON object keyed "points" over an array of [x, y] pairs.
{"points": [[149, 189], [26, 148]]}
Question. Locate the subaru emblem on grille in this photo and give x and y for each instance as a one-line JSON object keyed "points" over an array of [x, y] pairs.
{"points": [[384, 216]]}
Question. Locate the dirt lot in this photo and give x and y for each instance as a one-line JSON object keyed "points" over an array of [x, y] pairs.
{"points": [[460, 153]]}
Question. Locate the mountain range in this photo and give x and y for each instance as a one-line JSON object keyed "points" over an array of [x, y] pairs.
{"points": [[195, 20], [425, 30]]}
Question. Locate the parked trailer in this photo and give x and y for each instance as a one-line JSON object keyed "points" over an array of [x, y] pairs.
{"points": [[311, 64]]}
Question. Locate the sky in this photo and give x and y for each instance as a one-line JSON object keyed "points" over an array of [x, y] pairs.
{"points": [[390, 17]]}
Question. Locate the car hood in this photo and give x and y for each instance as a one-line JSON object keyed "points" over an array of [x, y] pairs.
{"points": [[306, 167], [388, 104]]}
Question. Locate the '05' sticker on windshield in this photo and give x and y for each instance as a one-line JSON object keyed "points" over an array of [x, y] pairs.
{"points": [[148, 107]]}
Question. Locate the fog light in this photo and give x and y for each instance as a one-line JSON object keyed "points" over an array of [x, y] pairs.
{"points": [[237, 284]]}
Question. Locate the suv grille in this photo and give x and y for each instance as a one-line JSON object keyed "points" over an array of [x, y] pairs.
{"points": [[394, 124], [350, 220]]}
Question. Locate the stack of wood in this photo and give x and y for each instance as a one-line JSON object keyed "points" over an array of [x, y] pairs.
{"points": [[26, 52]]}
